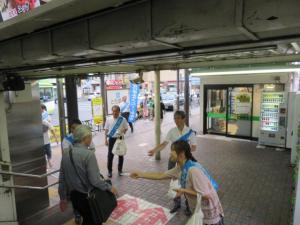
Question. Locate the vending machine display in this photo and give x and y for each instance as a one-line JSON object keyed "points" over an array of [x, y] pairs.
{"points": [[273, 119]]}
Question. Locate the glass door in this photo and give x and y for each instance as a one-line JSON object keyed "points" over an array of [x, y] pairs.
{"points": [[216, 110], [239, 111]]}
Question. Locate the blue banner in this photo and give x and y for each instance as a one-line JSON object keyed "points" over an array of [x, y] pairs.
{"points": [[134, 97]]}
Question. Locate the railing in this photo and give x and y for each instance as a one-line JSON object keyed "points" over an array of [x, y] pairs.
{"points": [[28, 175]]}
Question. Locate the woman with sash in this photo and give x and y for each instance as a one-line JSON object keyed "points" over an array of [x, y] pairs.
{"points": [[194, 179]]}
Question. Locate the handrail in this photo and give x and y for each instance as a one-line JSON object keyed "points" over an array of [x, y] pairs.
{"points": [[28, 187], [28, 175]]}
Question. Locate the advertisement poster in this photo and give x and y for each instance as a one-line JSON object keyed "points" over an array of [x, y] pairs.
{"points": [[97, 110], [114, 97], [12, 8], [134, 97], [243, 104]]}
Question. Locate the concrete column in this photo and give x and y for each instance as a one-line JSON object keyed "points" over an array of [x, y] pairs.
{"points": [[157, 111], [61, 108], [104, 99], [187, 95], [178, 89], [71, 95], [8, 212], [297, 205]]}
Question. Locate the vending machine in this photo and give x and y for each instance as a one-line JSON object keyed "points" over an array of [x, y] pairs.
{"points": [[273, 119]]}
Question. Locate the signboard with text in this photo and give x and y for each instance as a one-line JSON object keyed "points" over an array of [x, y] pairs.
{"points": [[12, 8], [136, 211], [97, 110]]}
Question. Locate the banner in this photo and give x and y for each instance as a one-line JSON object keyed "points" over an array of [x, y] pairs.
{"points": [[12, 8], [134, 96], [97, 110]]}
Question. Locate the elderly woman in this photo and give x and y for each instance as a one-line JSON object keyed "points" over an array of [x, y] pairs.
{"points": [[76, 185]]}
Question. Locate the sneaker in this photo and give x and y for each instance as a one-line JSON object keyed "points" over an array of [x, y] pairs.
{"points": [[109, 175], [120, 173]]}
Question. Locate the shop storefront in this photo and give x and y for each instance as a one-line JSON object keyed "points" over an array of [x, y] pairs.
{"points": [[233, 110], [231, 105]]}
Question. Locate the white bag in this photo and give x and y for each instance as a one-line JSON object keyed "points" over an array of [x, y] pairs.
{"points": [[174, 184], [120, 147], [197, 217]]}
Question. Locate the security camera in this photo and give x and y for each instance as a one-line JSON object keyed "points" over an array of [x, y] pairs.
{"points": [[12, 83]]}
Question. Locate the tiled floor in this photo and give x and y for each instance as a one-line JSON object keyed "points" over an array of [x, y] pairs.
{"points": [[255, 184]]}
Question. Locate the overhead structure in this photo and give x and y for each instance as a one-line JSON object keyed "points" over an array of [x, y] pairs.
{"points": [[126, 36]]}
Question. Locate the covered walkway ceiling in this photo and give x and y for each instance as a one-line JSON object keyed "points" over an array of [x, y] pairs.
{"points": [[150, 34]]}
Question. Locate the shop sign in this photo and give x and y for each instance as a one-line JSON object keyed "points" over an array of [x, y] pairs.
{"points": [[114, 84], [136, 211], [12, 8]]}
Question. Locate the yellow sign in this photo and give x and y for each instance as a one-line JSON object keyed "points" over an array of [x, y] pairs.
{"points": [[97, 110]]}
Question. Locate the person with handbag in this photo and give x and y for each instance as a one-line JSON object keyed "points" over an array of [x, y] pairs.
{"points": [[115, 128], [180, 132], [80, 179], [195, 181]]}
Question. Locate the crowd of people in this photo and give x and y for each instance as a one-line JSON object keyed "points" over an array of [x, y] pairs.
{"points": [[79, 171]]}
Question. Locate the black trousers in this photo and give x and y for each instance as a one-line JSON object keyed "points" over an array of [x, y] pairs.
{"points": [[81, 204], [126, 116], [110, 156]]}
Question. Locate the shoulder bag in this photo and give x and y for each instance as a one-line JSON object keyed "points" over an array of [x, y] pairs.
{"points": [[101, 203]]}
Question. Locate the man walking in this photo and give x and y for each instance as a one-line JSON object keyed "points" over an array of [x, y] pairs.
{"points": [[46, 122], [125, 111], [115, 128], [183, 133]]}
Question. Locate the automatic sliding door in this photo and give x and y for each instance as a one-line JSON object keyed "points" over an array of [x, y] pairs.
{"points": [[216, 111], [239, 111]]}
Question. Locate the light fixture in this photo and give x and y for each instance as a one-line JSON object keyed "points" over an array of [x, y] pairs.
{"points": [[269, 86], [246, 71]]}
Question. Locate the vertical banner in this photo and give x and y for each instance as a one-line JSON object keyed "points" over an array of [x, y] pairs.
{"points": [[134, 96], [97, 110]]}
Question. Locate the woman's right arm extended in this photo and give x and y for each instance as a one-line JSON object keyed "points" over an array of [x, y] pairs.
{"points": [[149, 176]]}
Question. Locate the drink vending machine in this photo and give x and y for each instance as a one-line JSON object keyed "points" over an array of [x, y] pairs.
{"points": [[273, 119]]}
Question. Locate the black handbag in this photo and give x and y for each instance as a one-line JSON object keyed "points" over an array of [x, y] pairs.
{"points": [[102, 203]]}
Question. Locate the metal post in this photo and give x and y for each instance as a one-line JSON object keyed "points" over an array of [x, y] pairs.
{"points": [[157, 111], [103, 95], [61, 108], [178, 90], [71, 95], [187, 96], [8, 210]]}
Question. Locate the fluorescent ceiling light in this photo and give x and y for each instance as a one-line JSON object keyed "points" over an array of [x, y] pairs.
{"points": [[249, 71]]}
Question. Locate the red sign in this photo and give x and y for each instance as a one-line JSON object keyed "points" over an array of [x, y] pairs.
{"points": [[151, 217], [114, 82], [114, 87], [124, 206], [136, 211]]}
